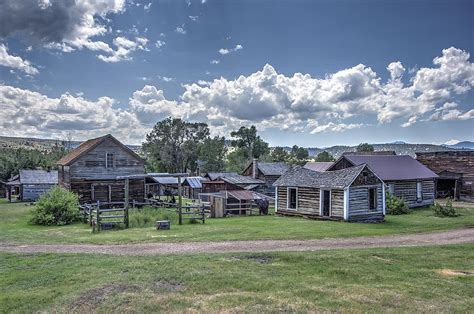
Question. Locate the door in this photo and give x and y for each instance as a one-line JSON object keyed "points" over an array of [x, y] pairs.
{"points": [[326, 203]]}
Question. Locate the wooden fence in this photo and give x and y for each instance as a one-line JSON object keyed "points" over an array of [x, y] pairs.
{"points": [[99, 217]]}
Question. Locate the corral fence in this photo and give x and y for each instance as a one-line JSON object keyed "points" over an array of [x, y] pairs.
{"points": [[104, 215]]}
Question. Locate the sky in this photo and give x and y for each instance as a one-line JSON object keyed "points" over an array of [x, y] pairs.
{"points": [[310, 73]]}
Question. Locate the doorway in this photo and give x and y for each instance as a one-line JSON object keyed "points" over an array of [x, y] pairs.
{"points": [[326, 203]]}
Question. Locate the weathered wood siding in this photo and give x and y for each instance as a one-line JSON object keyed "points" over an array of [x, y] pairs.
{"points": [[281, 198], [337, 203], [91, 166], [359, 209], [108, 190], [308, 199], [341, 164], [457, 165], [31, 192], [407, 191]]}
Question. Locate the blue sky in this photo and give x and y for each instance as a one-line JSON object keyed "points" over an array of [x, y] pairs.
{"points": [[133, 63]]}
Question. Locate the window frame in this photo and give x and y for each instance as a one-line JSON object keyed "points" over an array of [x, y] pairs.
{"points": [[419, 191], [288, 198], [107, 155], [372, 204]]}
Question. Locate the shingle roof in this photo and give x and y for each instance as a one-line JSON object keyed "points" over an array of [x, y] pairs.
{"points": [[194, 182], [89, 145], [233, 177], [319, 166], [398, 167], [299, 176], [272, 168], [38, 177]]}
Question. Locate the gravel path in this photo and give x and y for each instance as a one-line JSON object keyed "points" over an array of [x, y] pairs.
{"points": [[151, 249]]}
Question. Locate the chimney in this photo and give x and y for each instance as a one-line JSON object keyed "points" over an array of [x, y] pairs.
{"points": [[255, 168]]}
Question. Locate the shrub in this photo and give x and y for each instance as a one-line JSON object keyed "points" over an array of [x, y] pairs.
{"points": [[395, 205], [56, 207], [147, 216], [444, 211]]}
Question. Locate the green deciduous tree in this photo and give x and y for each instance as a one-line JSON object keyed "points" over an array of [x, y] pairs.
{"points": [[248, 140], [173, 145], [365, 147], [279, 154], [298, 155], [212, 154], [324, 156]]}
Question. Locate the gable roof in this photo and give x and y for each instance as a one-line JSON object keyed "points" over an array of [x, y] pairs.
{"points": [[90, 144], [320, 166], [38, 177], [217, 175], [303, 177], [194, 182], [270, 168], [396, 167]]}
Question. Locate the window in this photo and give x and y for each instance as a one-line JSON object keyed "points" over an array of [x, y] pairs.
{"points": [[109, 160], [292, 198], [373, 198], [391, 188], [419, 190]]}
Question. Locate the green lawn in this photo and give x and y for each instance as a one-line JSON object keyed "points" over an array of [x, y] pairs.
{"points": [[14, 227], [376, 280]]}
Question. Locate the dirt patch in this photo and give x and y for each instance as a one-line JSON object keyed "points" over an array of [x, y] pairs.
{"points": [[167, 286], [452, 272], [261, 259], [381, 258], [94, 297]]}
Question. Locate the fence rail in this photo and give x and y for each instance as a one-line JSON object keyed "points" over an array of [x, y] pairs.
{"points": [[93, 214]]}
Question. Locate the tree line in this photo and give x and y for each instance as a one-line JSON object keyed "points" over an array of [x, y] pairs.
{"points": [[175, 145]]}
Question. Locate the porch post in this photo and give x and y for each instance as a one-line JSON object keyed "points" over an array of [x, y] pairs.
{"points": [[276, 199], [346, 204], [383, 198]]}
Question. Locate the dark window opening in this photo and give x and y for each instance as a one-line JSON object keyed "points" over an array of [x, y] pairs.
{"points": [[373, 198], [109, 160], [292, 198]]}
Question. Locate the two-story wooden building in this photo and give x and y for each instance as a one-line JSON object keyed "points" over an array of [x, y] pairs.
{"points": [[268, 172], [91, 170], [352, 194]]}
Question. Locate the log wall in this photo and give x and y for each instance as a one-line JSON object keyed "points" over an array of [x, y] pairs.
{"points": [[359, 209], [90, 191], [407, 191]]}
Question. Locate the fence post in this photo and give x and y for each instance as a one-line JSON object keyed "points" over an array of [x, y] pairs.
{"points": [[180, 202], [98, 216], [127, 200], [90, 214], [126, 216]]}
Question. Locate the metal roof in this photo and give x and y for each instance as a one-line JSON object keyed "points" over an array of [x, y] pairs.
{"points": [[166, 180], [38, 177], [299, 176], [194, 182], [397, 167], [233, 178], [318, 166], [217, 175]]}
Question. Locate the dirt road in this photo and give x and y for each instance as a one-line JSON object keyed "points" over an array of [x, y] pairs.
{"points": [[152, 249]]}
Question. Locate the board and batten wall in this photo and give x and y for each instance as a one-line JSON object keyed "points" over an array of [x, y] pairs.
{"points": [[406, 190]]}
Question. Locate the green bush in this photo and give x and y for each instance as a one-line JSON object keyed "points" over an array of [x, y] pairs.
{"points": [[56, 207], [395, 205], [444, 211], [147, 216]]}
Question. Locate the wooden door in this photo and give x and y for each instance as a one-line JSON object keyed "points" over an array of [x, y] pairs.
{"points": [[326, 203]]}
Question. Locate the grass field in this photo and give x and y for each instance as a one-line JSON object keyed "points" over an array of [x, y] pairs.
{"points": [[376, 280], [14, 227]]}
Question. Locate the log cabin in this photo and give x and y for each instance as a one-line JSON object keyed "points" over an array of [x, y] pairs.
{"points": [[29, 185], [91, 171], [268, 172], [404, 176], [455, 170], [351, 194]]}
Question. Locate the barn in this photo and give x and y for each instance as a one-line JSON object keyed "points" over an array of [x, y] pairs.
{"points": [[455, 170], [404, 176], [351, 194], [91, 171]]}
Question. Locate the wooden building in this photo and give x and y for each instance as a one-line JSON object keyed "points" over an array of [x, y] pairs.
{"points": [[91, 170], [267, 172], [234, 181], [455, 169], [192, 186], [3, 189], [404, 176], [352, 194], [28, 185]]}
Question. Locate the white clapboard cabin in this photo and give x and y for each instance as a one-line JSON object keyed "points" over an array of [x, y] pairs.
{"points": [[352, 194]]}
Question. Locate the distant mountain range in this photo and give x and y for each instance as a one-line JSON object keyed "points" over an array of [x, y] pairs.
{"points": [[400, 147]]}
